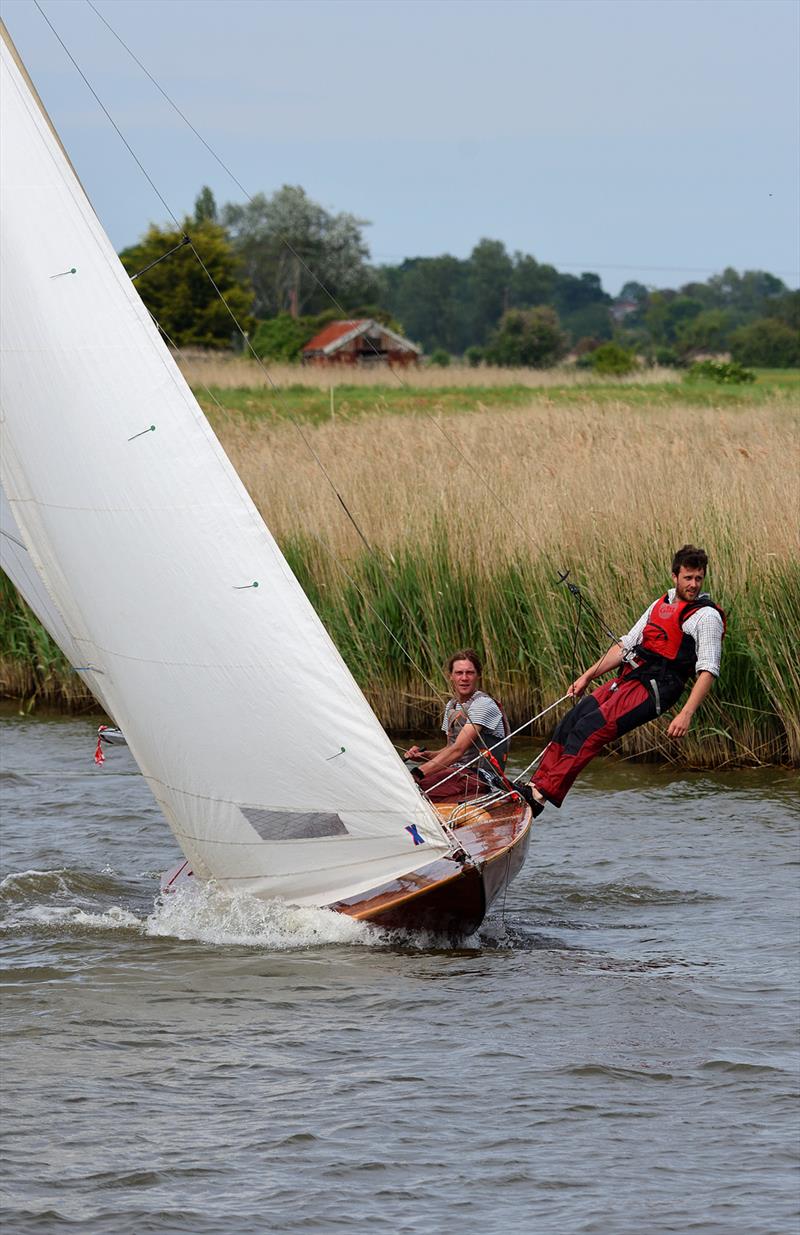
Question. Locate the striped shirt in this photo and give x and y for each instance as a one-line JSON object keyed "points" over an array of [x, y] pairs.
{"points": [[481, 711], [704, 626]]}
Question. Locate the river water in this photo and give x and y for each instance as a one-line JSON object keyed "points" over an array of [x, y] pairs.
{"points": [[614, 1053]]}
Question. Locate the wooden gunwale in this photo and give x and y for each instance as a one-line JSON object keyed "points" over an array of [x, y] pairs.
{"points": [[444, 896]]}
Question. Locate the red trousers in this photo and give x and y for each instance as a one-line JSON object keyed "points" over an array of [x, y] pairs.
{"points": [[611, 710]]}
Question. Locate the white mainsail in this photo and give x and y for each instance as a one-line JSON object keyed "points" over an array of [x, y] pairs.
{"points": [[269, 765]]}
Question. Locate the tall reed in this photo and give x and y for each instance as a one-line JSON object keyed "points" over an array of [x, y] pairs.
{"points": [[32, 668], [471, 518]]}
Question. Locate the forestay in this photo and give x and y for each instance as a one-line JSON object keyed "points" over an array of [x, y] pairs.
{"points": [[266, 759]]}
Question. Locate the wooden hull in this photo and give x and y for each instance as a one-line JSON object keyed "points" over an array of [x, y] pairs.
{"points": [[446, 897]]}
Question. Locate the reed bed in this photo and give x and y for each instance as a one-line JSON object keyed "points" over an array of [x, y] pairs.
{"points": [[32, 667], [470, 517]]}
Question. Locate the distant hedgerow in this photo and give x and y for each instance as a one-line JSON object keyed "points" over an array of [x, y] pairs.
{"points": [[728, 372]]}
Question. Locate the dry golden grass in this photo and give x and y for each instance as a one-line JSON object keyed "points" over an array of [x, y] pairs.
{"points": [[581, 484], [228, 372]]}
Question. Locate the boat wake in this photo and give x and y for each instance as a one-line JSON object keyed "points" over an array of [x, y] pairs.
{"points": [[73, 900], [64, 901], [204, 913]]}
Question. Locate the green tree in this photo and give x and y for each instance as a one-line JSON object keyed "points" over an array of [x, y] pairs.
{"points": [[490, 270], [767, 342], [709, 331], [205, 206], [786, 309], [530, 338], [298, 257], [611, 360], [178, 291], [283, 337], [750, 292], [430, 297], [635, 292], [532, 283], [667, 312], [592, 321], [571, 294]]}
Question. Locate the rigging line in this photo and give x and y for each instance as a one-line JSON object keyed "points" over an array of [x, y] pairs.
{"points": [[107, 113], [478, 806], [598, 617], [526, 771], [3, 532], [591, 608], [584, 603], [575, 639], [171, 102], [436, 690], [284, 239], [156, 261]]}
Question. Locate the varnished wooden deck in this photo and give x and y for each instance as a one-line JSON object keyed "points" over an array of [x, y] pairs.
{"points": [[447, 896]]}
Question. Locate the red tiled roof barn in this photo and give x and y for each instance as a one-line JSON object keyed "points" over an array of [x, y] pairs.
{"points": [[361, 342]]}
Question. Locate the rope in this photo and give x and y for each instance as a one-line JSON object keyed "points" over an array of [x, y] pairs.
{"points": [[107, 113], [526, 771], [283, 239], [575, 639], [591, 608], [181, 243]]}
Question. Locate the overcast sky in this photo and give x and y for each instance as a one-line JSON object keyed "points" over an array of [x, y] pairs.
{"points": [[647, 139]]}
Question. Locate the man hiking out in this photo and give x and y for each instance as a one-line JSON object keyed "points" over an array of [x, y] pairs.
{"points": [[680, 635]]}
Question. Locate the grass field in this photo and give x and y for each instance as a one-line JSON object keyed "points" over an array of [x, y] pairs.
{"points": [[316, 395], [474, 496]]}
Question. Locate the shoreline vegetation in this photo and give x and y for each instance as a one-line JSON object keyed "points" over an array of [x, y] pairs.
{"points": [[474, 489]]}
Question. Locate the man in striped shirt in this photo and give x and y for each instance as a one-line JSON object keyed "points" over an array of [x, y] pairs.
{"points": [[473, 722], [678, 636]]}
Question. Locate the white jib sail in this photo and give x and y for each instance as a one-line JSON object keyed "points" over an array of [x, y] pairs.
{"points": [[266, 759]]}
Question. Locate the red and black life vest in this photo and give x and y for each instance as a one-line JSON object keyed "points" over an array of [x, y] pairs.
{"points": [[665, 656]]}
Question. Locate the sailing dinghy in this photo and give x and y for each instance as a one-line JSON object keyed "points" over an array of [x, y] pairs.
{"points": [[150, 565]]}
